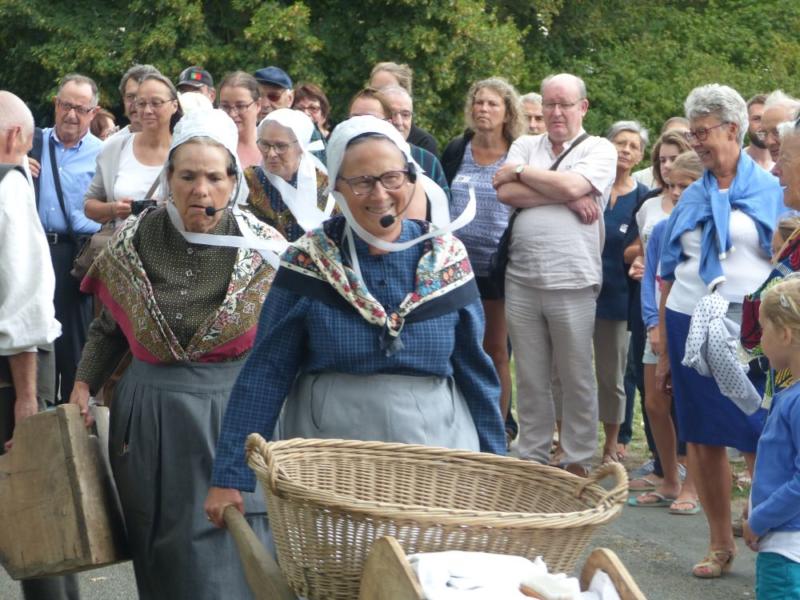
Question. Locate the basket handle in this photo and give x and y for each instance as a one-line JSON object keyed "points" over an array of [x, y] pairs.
{"points": [[260, 457], [616, 494]]}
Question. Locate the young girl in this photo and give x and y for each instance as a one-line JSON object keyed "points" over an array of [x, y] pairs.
{"points": [[681, 500], [773, 528]]}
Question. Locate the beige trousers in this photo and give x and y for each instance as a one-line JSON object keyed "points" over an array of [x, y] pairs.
{"points": [[554, 327], [610, 356]]}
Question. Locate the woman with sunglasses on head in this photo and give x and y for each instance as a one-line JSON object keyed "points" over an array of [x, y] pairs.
{"points": [[373, 329], [288, 186], [182, 288], [238, 97], [718, 239], [128, 165]]}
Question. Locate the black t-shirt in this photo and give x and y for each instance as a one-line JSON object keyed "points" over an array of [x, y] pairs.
{"points": [[423, 139]]}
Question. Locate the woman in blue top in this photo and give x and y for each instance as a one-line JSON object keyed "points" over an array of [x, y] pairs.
{"points": [[494, 120], [773, 528], [373, 330], [610, 330]]}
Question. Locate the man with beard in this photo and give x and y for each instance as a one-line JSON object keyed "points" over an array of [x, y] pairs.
{"points": [[757, 148]]}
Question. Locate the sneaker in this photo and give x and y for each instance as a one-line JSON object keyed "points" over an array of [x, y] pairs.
{"points": [[644, 470]]}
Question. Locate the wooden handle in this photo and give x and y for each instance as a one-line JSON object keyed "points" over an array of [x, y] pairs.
{"points": [[262, 573]]}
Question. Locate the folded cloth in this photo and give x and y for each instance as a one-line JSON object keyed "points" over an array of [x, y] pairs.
{"points": [[712, 349], [600, 588], [458, 575]]}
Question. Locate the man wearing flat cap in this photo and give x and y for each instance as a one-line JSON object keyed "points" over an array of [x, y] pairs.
{"points": [[196, 79], [275, 89]]}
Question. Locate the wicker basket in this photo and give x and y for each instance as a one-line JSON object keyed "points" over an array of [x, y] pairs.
{"points": [[329, 500]]}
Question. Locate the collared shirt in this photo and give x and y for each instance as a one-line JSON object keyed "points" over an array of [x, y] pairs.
{"points": [[76, 168], [550, 247]]}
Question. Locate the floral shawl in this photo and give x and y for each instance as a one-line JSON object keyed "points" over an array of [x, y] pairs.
{"points": [[314, 266], [119, 279], [263, 197]]}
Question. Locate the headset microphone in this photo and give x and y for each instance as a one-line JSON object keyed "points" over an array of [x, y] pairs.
{"points": [[211, 211], [389, 220]]}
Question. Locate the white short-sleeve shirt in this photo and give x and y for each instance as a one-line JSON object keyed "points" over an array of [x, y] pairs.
{"points": [[550, 247]]}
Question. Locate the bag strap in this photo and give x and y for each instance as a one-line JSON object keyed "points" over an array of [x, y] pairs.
{"points": [[153, 188], [36, 153], [57, 181], [553, 167], [6, 169]]}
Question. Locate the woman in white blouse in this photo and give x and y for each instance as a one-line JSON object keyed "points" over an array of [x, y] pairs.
{"points": [[129, 164]]}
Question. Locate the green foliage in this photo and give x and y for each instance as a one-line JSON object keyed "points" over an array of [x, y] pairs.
{"points": [[639, 59]]}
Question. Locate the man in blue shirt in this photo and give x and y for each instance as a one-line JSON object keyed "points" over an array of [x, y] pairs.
{"points": [[69, 151]]}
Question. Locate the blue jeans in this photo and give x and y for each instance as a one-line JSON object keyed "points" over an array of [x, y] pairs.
{"points": [[777, 577]]}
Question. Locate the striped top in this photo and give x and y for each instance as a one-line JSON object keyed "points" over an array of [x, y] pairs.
{"points": [[482, 235]]}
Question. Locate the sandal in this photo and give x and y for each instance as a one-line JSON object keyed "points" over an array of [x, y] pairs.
{"points": [[660, 500], [644, 484], [715, 564], [692, 503]]}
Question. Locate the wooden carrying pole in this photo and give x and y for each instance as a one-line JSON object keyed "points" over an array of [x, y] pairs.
{"points": [[262, 573]]}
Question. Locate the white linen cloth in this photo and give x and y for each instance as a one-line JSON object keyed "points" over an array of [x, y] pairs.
{"points": [[459, 575]]}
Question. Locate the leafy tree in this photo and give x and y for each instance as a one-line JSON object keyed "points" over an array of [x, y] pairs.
{"points": [[639, 59]]}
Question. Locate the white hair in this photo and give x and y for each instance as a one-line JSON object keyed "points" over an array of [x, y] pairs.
{"points": [[532, 98], [721, 101], [14, 113], [779, 98], [632, 126], [579, 83], [786, 129], [396, 90]]}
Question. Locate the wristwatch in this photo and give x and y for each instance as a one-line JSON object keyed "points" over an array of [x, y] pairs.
{"points": [[518, 171]]}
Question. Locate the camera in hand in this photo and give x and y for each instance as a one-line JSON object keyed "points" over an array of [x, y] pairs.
{"points": [[137, 206]]}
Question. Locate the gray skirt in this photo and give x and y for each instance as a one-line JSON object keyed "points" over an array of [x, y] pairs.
{"points": [[165, 421], [379, 407]]}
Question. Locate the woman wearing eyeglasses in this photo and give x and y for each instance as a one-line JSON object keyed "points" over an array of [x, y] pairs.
{"points": [[128, 165], [372, 330], [287, 187], [718, 238], [309, 98], [238, 97]]}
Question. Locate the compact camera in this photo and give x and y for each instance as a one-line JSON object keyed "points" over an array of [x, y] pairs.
{"points": [[137, 206]]}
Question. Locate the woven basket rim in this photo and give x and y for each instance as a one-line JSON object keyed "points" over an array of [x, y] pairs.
{"points": [[608, 502]]}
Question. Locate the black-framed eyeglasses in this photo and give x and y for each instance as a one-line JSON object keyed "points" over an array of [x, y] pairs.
{"points": [[363, 185], [700, 135], [81, 110], [238, 108], [280, 148]]}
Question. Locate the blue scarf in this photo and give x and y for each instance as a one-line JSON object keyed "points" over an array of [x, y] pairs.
{"points": [[754, 191]]}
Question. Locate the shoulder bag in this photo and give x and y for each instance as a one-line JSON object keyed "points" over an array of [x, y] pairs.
{"points": [[499, 260]]}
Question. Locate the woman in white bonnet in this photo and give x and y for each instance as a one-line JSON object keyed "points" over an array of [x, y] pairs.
{"points": [[373, 328], [182, 289], [288, 188]]}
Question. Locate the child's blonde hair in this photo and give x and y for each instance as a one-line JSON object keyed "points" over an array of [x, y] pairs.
{"points": [[781, 304], [687, 163]]}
